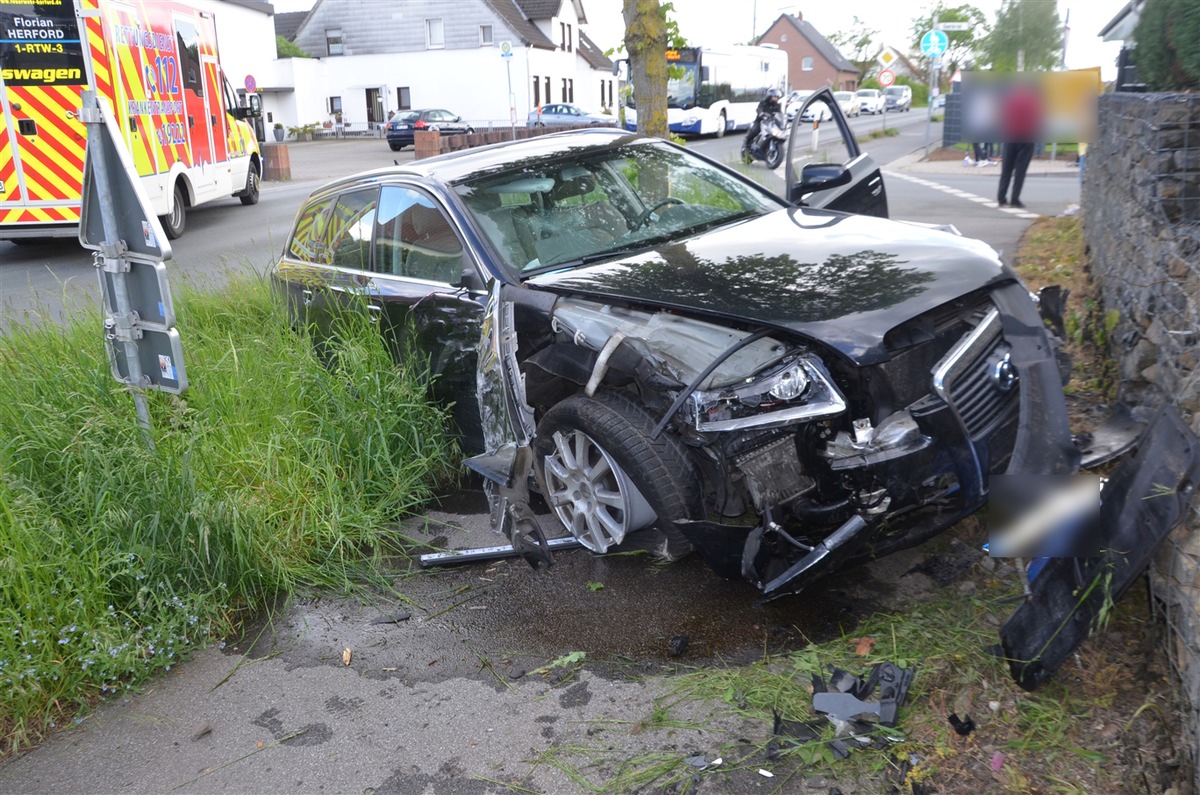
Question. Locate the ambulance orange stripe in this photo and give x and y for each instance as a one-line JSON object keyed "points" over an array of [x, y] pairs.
{"points": [[140, 146], [42, 171], [52, 123]]}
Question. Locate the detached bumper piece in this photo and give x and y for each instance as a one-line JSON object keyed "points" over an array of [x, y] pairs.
{"points": [[1144, 499], [845, 701]]}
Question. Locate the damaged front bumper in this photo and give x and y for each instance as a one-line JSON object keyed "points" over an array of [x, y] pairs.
{"points": [[922, 469]]}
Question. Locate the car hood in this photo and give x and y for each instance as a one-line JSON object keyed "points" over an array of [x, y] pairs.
{"points": [[845, 280]]}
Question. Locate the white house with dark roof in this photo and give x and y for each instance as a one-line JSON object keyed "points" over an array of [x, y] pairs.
{"points": [[371, 57]]}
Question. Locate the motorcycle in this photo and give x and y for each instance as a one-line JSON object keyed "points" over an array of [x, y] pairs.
{"points": [[770, 143]]}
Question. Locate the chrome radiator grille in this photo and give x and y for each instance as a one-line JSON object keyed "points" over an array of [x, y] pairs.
{"points": [[977, 380]]}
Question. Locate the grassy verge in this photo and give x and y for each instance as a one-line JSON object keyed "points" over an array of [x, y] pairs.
{"points": [[270, 473], [879, 132]]}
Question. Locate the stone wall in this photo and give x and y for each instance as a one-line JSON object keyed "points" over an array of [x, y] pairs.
{"points": [[1141, 216]]}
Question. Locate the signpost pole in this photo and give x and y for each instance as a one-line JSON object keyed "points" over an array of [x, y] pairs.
{"points": [[933, 44], [506, 52], [112, 251]]}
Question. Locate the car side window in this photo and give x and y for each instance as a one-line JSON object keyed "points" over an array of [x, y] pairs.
{"points": [[352, 221], [415, 240], [310, 242], [821, 140]]}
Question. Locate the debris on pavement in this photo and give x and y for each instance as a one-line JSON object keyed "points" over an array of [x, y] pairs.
{"points": [[346, 654], [678, 645], [848, 700], [962, 726], [393, 618]]}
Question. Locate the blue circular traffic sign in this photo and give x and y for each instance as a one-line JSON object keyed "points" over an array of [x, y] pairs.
{"points": [[934, 43], [251, 85]]}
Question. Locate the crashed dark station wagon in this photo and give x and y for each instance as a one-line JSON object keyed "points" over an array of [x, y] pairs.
{"points": [[655, 343]]}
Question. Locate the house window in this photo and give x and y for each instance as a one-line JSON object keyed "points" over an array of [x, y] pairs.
{"points": [[547, 91], [562, 35], [806, 63], [564, 91], [537, 91], [570, 39], [335, 104], [435, 37], [571, 90], [403, 98], [333, 42], [485, 36]]}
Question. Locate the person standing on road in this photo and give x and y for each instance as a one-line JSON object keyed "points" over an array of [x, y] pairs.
{"points": [[1021, 117]]}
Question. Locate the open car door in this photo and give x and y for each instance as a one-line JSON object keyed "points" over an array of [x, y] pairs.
{"points": [[825, 167]]}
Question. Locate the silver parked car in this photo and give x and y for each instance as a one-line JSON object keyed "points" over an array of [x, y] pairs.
{"points": [[564, 114]]}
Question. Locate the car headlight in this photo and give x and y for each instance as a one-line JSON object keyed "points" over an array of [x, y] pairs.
{"points": [[689, 121], [799, 389]]}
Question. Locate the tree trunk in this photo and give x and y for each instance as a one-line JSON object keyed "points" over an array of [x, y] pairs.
{"points": [[646, 43]]}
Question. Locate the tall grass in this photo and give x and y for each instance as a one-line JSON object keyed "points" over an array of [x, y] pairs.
{"points": [[274, 470]]}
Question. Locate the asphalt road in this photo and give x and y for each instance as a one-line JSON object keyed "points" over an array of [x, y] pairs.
{"points": [[450, 701]]}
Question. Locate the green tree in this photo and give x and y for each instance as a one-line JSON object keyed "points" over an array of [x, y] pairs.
{"points": [[963, 45], [859, 43], [1168, 55], [284, 48], [1027, 36], [649, 32], [646, 42]]}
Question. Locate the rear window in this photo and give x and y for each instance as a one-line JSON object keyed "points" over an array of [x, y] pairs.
{"points": [[412, 115]]}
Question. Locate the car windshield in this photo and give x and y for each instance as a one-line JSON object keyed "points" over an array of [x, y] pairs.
{"points": [[556, 214], [867, 92], [842, 96], [894, 92]]}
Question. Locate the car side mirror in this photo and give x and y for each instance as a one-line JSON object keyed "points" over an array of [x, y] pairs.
{"points": [[820, 176], [457, 119], [252, 110]]}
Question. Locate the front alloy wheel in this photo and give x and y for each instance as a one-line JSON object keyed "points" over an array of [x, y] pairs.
{"points": [[605, 477], [591, 495]]}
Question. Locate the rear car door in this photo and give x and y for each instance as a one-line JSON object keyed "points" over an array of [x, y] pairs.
{"points": [[825, 166]]}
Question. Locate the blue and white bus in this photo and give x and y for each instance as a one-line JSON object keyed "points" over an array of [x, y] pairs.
{"points": [[711, 91]]}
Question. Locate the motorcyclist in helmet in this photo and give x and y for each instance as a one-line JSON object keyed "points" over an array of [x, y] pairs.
{"points": [[769, 104]]}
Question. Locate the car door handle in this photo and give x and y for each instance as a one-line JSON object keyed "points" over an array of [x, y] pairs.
{"points": [[374, 312], [307, 296]]}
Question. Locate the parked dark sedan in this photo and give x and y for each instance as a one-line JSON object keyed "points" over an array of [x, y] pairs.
{"points": [[663, 345], [402, 128]]}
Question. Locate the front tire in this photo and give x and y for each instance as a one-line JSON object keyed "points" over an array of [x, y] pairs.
{"points": [[250, 196], [606, 478], [774, 156], [175, 221]]}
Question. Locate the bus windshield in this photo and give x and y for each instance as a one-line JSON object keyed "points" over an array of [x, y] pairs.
{"points": [[681, 86]]}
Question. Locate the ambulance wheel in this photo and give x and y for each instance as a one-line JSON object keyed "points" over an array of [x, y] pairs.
{"points": [[250, 195], [174, 222]]}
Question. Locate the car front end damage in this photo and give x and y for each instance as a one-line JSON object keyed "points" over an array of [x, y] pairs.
{"points": [[806, 458]]}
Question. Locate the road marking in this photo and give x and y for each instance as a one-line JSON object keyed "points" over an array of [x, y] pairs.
{"points": [[961, 194]]}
